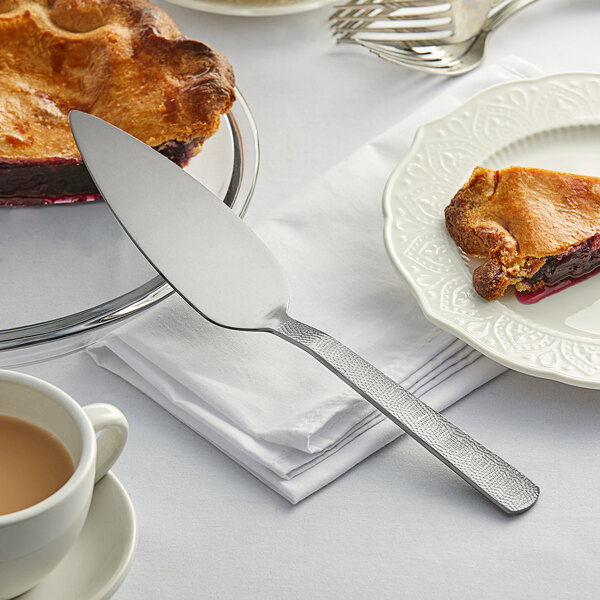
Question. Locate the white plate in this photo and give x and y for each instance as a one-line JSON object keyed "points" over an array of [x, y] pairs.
{"points": [[254, 8], [551, 122], [100, 558]]}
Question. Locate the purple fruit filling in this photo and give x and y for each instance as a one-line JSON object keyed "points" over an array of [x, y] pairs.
{"points": [[179, 152], [576, 262], [27, 182]]}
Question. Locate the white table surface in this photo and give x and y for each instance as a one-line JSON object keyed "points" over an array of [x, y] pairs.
{"points": [[399, 525]]}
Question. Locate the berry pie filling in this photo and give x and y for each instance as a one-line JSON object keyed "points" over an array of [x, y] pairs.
{"points": [[576, 262], [561, 271], [30, 182]]}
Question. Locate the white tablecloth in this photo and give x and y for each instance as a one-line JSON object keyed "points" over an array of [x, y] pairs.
{"points": [[399, 525]]}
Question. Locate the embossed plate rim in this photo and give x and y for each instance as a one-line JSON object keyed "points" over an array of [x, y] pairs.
{"points": [[429, 139]]}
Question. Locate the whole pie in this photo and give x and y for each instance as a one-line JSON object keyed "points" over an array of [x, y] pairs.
{"points": [[124, 61], [534, 227]]}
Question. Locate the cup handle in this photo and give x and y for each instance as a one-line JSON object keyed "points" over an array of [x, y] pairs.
{"points": [[111, 429]]}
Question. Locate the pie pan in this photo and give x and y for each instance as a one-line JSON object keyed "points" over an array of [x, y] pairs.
{"points": [[69, 272], [552, 122]]}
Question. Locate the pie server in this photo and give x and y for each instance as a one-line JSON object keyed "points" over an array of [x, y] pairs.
{"points": [[195, 242]]}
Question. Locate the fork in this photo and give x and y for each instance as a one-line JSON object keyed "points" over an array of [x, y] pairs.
{"points": [[452, 21], [442, 58]]}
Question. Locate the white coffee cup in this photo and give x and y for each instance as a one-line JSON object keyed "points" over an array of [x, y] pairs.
{"points": [[35, 539]]}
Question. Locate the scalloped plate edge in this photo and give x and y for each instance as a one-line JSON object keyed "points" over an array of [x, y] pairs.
{"points": [[506, 357]]}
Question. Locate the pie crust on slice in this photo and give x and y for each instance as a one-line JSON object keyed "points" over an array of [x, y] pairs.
{"points": [[124, 61], [535, 227]]}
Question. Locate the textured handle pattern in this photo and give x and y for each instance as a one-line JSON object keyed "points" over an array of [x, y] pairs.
{"points": [[486, 472]]}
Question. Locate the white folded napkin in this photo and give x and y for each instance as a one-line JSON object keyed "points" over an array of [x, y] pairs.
{"points": [[267, 404]]}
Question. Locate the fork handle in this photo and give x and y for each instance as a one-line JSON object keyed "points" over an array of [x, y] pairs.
{"points": [[485, 471], [505, 12]]}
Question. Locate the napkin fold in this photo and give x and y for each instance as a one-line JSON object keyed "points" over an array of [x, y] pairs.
{"points": [[267, 404]]}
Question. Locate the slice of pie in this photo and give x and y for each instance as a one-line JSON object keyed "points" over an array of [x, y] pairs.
{"points": [[125, 62], [535, 227]]}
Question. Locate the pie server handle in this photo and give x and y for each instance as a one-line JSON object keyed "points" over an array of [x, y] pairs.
{"points": [[170, 215], [485, 471]]}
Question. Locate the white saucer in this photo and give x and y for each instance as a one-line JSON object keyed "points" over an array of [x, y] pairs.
{"points": [[253, 8], [98, 562]]}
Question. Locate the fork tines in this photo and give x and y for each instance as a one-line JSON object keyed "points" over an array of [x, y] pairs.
{"points": [[391, 20]]}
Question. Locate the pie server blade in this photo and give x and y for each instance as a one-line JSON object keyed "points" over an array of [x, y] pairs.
{"points": [[226, 273]]}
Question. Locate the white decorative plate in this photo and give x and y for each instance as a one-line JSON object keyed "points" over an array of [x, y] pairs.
{"points": [[552, 122], [253, 8]]}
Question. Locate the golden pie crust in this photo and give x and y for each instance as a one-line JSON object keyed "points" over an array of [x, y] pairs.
{"points": [[124, 61], [518, 218]]}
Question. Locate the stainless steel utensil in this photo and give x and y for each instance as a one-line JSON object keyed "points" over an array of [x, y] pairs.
{"points": [[433, 54], [449, 21], [195, 242]]}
